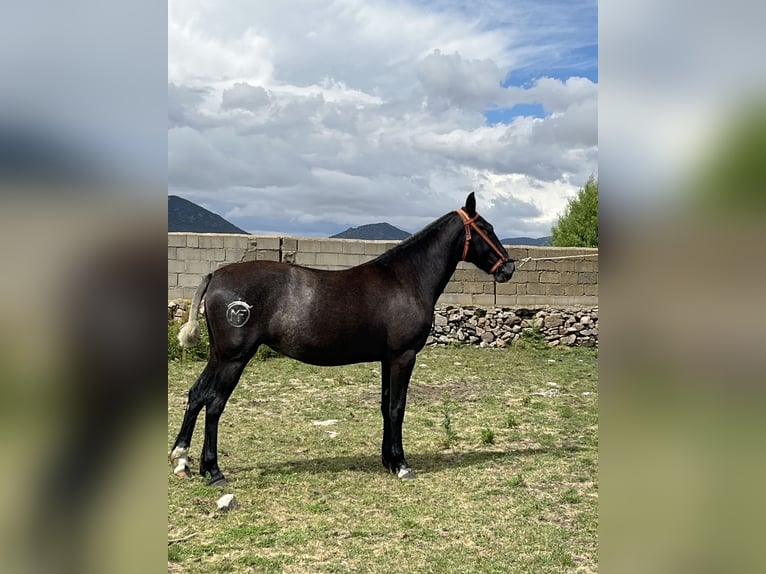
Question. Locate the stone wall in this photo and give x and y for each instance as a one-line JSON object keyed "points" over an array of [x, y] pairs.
{"points": [[556, 283], [502, 326]]}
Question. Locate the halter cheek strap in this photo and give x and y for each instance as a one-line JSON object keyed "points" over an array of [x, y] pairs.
{"points": [[470, 223]]}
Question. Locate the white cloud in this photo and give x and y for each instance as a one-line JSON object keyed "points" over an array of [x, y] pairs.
{"points": [[359, 112], [554, 94], [450, 80], [246, 97], [196, 56]]}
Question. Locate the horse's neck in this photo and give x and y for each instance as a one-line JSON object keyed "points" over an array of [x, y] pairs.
{"points": [[431, 261]]}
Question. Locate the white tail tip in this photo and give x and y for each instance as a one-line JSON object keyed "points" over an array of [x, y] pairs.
{"points": [[188, 334]]}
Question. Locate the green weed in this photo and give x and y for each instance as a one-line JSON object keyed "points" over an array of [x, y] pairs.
{"points": [[450, 436], [517, 481], [531, 338], [487, 436]]}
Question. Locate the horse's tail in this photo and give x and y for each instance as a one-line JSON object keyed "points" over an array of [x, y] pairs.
{"points": [[188, 334]]}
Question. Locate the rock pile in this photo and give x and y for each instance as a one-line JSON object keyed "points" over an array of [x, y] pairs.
{"points": [[176, 310], [501, 326]]}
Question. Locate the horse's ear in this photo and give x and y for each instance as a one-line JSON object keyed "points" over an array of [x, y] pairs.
{"points": [[470, 205]]}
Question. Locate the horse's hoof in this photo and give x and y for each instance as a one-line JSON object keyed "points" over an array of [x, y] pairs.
{"points": [[182, 472], [179, 460], [406, 474], [219, 481]]}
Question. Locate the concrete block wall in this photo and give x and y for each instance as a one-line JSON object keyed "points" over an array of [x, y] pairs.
{"points": [[193, 255], [552, 282], [544, 282]]}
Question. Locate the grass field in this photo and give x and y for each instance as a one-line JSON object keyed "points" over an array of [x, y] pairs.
{"points": [[505, 444]]}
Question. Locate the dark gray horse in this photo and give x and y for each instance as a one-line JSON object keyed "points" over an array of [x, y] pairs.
{"points": [[381, 310]]}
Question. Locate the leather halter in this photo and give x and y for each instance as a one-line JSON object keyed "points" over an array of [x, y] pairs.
{"points": [[470, 223]]}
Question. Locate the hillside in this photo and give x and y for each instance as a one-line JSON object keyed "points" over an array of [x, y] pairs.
{"points": [[373, 231], [184, 215], [526, 240]]}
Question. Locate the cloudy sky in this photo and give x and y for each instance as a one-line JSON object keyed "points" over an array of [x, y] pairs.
{"points": [[307, 117]]}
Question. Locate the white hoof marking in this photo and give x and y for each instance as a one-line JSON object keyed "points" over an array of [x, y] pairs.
{"points": [[179, 458]]}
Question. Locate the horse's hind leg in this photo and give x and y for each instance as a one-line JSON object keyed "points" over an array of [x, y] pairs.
{"points": [[225, 379], [179, 456]]}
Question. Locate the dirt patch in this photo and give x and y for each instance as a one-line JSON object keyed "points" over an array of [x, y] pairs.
{"points": [[429, 393], [460, 392]]}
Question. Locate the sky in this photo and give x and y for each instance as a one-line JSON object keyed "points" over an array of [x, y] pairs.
{"points": [[306, 117]]}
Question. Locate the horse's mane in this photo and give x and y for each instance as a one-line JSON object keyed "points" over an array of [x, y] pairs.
{"points": [[406, 245]]}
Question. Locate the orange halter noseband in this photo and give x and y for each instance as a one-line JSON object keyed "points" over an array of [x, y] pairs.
{"points": [[469, 223]]}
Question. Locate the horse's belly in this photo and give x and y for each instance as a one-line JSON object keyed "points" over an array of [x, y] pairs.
{"points": [[330, 356], [326, 348]]}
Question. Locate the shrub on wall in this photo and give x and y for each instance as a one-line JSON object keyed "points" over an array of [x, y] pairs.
{"points": [[578, 225]]}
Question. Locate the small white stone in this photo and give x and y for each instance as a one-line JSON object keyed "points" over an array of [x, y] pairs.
{"points": [[226, 502]]}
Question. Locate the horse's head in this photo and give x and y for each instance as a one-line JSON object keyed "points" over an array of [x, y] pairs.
{"points": [[481, 246]]}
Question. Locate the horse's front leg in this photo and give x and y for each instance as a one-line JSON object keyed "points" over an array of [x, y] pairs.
{"points": [[385, 405], [399, 372]]}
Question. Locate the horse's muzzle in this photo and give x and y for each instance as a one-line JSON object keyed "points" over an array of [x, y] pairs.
{"points": [[505, 272]]}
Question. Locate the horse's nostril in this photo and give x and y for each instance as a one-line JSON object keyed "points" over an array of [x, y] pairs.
{"points": [[504, 272]]}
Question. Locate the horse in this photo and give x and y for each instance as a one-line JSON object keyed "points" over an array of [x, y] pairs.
{"points": [[379, 311]]}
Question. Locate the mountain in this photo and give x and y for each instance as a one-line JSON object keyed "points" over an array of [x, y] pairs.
{"points": [[183, 215], [526, 240], [372, 231]]}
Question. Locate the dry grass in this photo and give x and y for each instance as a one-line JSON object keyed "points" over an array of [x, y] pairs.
{"points": [[314, 502]]}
